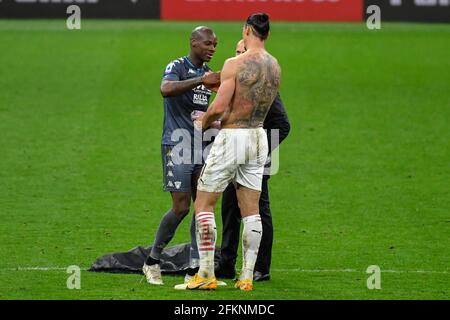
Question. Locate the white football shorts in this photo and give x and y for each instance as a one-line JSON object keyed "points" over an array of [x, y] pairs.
{"points": [[237, 155]]}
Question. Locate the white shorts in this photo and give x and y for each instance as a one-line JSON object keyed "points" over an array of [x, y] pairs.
{"points": [[237, 155]]}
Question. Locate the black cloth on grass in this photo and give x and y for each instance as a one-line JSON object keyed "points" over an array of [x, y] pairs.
{"points": [[173, 260]]}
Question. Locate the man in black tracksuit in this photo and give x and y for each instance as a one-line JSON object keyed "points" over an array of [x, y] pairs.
{"points": [[231, 217]]}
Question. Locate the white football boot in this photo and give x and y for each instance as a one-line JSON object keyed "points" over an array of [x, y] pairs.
{"points": [[153, 274]]}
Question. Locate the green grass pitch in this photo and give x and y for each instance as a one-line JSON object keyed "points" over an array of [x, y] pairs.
{"points": [[364, 175]]}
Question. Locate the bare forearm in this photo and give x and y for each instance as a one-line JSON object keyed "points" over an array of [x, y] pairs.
{"points": [[214, 113], [174, 88]]}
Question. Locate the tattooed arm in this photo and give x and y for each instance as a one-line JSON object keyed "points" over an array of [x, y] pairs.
{"points": [[224, 96]]}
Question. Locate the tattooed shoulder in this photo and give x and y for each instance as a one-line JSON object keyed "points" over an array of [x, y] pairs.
{"points": [[259, 79]]}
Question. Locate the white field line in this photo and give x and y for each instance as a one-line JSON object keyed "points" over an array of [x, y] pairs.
{"points": [[357, 271], [39, 268], [35, 269]]}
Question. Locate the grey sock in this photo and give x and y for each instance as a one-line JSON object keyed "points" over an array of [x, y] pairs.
{"points": [[165, 233], [194, 258]]}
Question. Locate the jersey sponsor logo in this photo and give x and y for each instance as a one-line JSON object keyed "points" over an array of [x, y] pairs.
{"points": [[200, 99], [202, 89]]}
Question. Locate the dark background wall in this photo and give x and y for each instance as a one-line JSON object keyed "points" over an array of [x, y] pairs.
{"points": [[140, 9], [410, 10]]}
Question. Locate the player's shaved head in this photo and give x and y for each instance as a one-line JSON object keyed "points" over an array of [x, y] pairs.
{"points": [[200, 32]]}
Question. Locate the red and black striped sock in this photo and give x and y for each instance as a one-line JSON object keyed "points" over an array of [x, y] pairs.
{"points": [[206, 241]]}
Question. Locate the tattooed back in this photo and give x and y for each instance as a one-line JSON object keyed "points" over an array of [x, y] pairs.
{"points": [[257, 79]]}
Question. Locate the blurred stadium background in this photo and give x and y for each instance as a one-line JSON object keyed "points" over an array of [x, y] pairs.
{"points": [[364, 175]]}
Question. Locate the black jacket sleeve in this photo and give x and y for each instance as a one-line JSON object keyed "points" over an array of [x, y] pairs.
{"points": [[277, 119]]}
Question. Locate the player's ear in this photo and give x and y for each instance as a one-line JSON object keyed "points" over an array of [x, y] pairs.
{"points": [[248, 30], [245, 30]]}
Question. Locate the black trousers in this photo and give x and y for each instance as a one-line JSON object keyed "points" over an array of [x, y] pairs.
{"points": [[231, 221]]}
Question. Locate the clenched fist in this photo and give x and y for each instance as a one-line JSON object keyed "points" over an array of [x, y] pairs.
{"points": [[211, 80]]}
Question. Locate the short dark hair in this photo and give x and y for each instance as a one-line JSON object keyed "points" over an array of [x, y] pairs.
{"points": [[260, 25]]}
